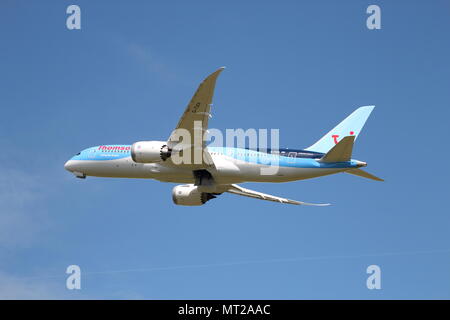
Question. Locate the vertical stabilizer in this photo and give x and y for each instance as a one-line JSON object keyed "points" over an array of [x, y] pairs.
{"points": [[350, 126]]}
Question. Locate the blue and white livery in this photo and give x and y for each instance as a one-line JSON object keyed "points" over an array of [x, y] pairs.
{"points": [[215, 170]]}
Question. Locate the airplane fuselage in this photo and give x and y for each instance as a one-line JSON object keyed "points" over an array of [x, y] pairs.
{"points": [[231, 165]]}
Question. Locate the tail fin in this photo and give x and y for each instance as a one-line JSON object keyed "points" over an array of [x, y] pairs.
{"points": [[341, 152], [364, 174], [350, 126]]}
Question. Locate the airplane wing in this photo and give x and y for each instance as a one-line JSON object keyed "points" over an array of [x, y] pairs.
{"points": [[235, 189], [194, 124]]}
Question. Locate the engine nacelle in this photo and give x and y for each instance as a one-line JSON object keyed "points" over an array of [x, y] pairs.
{"points": [[150, 151], [189, 195]]}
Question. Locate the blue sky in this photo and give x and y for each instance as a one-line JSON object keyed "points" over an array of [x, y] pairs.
{"points": [[300, 66]]}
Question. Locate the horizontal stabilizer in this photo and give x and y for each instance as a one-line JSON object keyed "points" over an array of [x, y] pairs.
{"points": [[364, 174], [341, 152]]}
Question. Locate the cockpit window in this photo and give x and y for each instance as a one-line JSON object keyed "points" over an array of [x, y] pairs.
{"points": [[78, 153]]}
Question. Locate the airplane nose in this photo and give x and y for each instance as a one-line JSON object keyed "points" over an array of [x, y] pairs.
{"points": [[69, 166]]}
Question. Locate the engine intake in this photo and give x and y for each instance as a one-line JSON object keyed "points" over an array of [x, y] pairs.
{"points": [[189, 195], [150, 151]]}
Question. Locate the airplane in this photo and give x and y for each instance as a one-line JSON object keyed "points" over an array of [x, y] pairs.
{"points": [[221, 169]]}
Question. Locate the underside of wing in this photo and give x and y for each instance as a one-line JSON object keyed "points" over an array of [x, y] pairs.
{"points": [[235, 189], [188, 137]]}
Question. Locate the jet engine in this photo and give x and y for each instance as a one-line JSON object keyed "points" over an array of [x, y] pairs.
{"points": [[150, 151], [189, 195]]}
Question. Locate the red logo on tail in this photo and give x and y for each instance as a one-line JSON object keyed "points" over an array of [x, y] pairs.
{"points": [[335, 136]]}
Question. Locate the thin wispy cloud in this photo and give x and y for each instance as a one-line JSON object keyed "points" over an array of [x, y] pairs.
{"points": [[150, 61], [262, 261], [20, 220], [23, 219], [12, 287]]}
